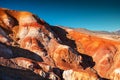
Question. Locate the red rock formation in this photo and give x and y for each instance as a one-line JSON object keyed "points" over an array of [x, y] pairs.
{"points": [[64, 55], [29, 43], [104, 52], [36, 36]]}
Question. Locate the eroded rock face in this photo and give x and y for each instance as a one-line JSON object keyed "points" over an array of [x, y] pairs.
{"points": [[104, 52], [79, 75], [31, 46]]}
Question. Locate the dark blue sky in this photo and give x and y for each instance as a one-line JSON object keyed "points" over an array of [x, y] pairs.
{"points": [[90, 14]]}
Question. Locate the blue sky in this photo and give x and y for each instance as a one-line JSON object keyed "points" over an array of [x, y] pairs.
{"points": [[89, 14]]}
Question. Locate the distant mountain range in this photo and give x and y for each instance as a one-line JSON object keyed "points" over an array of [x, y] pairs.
{"points": [[117, 32]]}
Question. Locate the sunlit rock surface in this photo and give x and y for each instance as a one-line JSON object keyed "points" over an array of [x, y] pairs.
{"points": [[31, 47]]}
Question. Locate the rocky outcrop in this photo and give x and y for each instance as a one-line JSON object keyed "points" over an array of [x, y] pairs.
{"points": [[80, 75], [30, 46], [104, 52]]}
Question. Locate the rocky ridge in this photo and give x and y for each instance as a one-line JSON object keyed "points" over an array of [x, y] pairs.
{"points": [[32, 49]]}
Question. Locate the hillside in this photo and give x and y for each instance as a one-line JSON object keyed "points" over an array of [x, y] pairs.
{"points": [[30, 48]]}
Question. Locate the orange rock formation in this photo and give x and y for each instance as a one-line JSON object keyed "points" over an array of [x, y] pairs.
{"points": [[30, 44]]}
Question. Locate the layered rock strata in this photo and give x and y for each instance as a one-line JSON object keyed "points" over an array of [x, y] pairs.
{"points": [[30, 46]]}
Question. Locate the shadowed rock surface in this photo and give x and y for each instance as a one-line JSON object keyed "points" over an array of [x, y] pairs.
{"points": [[32, 49]]}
